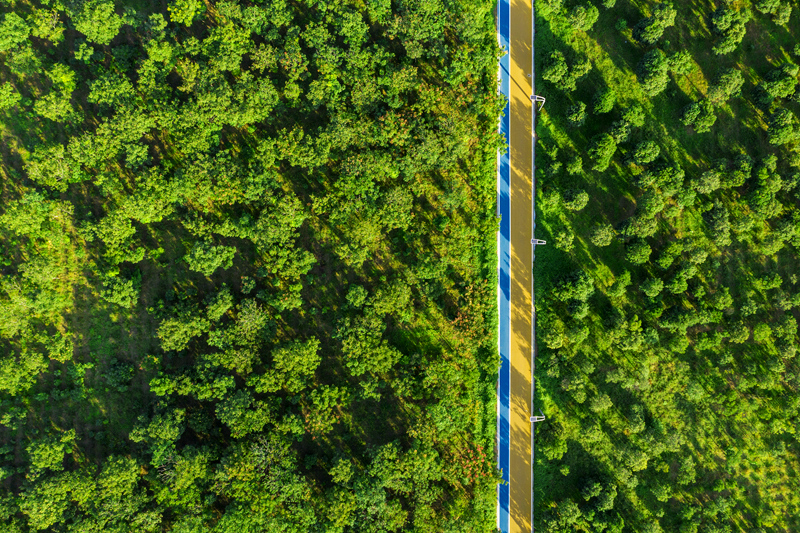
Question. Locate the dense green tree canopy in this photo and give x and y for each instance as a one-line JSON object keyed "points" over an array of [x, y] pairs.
{"points": [[248, 265]]}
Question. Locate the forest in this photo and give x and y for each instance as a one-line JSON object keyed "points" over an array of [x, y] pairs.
{"points": [[667, 296], [248, 265]]}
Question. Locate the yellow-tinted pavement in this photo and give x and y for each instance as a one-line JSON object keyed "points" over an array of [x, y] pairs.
{"points": [[521, 233]]}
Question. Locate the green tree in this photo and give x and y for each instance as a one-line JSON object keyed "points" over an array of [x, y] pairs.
{"points": [[206, 258], [602, 235], [97, 20], [604, 101], [650, 29], [653, 71], [783, 127], [601, 150], [638, 252]]}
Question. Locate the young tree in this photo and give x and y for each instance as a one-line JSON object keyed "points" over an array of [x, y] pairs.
{"points": [[729, 23], [602, 235], [604, 101], [650, 29], [653, 71], [783, 128], [576, 114], [97, 20], [601, 150]]}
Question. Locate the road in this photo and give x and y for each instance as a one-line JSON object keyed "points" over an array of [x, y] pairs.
{"points": [[515, 257]]}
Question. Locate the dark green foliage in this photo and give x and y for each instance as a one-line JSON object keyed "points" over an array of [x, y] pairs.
{"points": [[650, 29], [604, 101], [576, 114], [564, 75], [653, 71], [729, 24]]}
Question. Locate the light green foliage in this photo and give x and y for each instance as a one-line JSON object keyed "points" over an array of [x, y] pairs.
{"points": [[582, 17], [185, 11], [97, 20], [206, 258], [13, 31], [48, 453], [46, 24], [8, 96], [603, 234]]}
